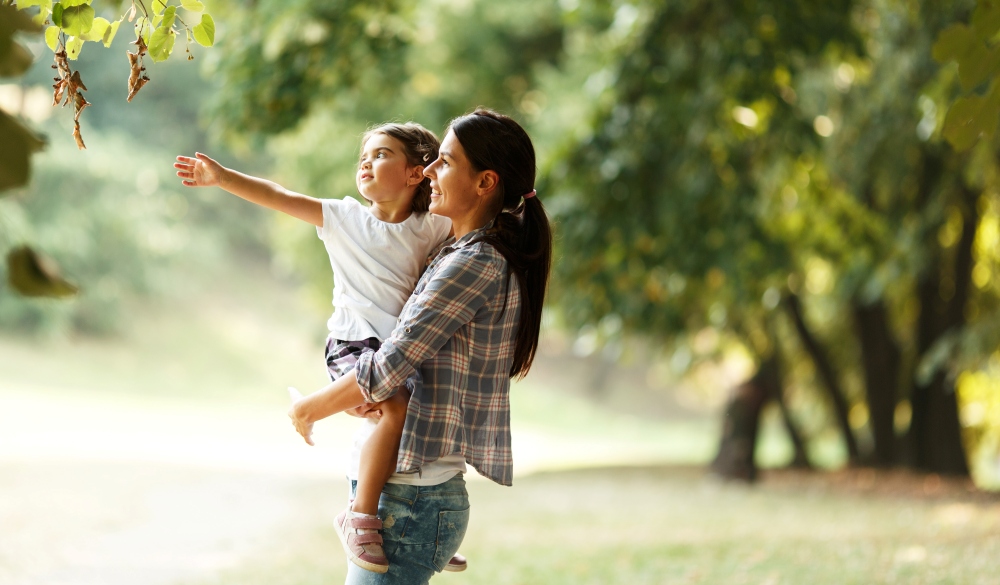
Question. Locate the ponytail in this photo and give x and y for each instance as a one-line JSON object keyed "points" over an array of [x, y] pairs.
{"points": [[521, 231]]}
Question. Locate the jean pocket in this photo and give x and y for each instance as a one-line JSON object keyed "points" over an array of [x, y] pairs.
{"points": [[452, 525]]}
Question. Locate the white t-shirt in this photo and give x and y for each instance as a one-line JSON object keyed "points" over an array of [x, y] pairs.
{"points": [[375, 265], [433, 473]]}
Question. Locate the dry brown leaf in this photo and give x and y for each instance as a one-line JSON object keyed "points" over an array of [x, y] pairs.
{"points": [[77, 136], [139, 42], [136, 79], [62, 82]]}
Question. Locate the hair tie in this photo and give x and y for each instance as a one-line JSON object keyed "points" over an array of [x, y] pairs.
{"points": [[530, 195]]}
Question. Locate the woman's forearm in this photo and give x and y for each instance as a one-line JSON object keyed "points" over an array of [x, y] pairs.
{"points": [[272, 195]]}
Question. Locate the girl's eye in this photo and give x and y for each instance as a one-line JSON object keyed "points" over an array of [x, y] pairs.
{"points": [[380, 155]]}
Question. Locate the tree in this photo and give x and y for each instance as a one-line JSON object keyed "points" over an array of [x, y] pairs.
{"points": [[67, 26]]}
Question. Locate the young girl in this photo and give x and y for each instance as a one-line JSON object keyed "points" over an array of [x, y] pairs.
{"points": [[377, 254]]}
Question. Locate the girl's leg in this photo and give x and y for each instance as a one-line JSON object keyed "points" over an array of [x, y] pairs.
{"points": [[435, 519], [378, 456]]}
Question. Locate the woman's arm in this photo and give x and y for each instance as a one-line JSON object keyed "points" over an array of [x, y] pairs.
{"points": [[342, 394], [202, 171], [466, 280]]}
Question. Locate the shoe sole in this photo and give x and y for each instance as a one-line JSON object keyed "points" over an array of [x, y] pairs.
{"points": [[354, 559], [455, 568]]}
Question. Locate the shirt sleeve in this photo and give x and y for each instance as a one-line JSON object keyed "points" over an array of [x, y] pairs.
{"points": [[442, 227], [334, 211], [464, 282]]}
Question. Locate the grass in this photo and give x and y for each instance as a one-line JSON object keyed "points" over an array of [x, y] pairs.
{"points": [[672, 525], [164, 458]]}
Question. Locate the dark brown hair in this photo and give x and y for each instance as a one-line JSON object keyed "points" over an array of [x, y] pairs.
{"points": [[420, 146], [521, 229]]}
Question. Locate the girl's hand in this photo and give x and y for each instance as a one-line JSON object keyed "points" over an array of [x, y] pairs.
{"points": [[200, 171], [302, 426]]}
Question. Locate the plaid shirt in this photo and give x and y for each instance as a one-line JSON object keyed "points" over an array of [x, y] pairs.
{"points": [[457, 331]]}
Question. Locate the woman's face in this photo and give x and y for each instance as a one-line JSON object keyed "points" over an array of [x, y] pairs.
{"points": [[454, 183]]}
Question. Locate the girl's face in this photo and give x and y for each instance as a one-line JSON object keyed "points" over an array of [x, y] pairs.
{"points": [[384, 174], [455, 185]]}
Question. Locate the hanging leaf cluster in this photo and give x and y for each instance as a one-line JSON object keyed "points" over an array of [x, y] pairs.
{"points": [[973, 46], [70, 24]]}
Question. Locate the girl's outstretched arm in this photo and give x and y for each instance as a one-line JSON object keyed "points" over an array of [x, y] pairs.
{"points": [[202, 171]]}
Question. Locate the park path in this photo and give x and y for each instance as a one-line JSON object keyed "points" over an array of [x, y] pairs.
{"points": [[109, 491]]}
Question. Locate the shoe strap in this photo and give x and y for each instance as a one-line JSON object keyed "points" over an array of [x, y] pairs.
{"points": [[369, 538], [365, 523]]}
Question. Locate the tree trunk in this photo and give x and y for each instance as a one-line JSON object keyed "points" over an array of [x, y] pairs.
{"points": [[935, 431], [800, 459], [881, 359], [735, 459], [826, 373]]}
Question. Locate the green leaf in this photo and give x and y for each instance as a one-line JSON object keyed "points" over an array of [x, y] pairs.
{"points": [[986, 19], [73, 47], [45, 4], [34, 275], [971, 117], [14, 60], [71, 3], [77, 20], [159, 6], [52, 37], [977, 64], [204, 32], [96, 32], [57, 14], [161, 43], [169, 16], [42, 17], [11, 21], [952, 43], [15, 152], [109, 35], [192, 5]]}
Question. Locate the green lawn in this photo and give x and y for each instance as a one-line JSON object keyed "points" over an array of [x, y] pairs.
{"points": [[672, 525], [163, 457]]}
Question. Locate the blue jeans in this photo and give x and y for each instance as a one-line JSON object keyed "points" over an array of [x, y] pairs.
{"points": [[423, 527]]}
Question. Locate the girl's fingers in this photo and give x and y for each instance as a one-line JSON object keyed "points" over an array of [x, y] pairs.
{"points": [[189, 183], [186, 159]]}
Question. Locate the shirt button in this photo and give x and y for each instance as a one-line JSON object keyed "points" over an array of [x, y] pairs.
{"points": [[406, 329]]}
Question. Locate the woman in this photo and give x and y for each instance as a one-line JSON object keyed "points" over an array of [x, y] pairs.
{"points": [[470, 326]]}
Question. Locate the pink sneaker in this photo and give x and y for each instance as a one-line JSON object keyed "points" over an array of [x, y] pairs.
{"points": [[364, 550], [457, 564]]}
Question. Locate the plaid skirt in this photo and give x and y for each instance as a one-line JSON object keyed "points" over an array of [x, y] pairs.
{"points": [[342, 356]]}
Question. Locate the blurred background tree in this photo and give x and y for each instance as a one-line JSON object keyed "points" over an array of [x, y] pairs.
{"points": [[766, 187]]}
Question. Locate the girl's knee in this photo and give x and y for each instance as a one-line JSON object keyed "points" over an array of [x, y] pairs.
{"points": [[396, 405]]}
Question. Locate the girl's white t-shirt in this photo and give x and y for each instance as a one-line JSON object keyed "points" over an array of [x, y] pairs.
{"points": [[375, 264]]}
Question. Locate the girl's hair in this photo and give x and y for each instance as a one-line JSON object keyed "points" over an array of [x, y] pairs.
{"points": [[521, 231], [420, 146]]}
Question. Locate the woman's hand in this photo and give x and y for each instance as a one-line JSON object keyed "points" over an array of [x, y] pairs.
{"points": [[366, 410], [302, 426], [200, 171]]}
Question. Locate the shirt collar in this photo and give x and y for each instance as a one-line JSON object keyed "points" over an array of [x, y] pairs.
{"points": [[464, 240]]}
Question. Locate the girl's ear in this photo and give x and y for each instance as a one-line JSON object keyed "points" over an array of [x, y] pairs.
{"points": [[415, 176], [488, 181]]}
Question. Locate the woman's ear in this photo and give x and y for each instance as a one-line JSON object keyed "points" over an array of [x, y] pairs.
{"points": [[488, 181]]}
